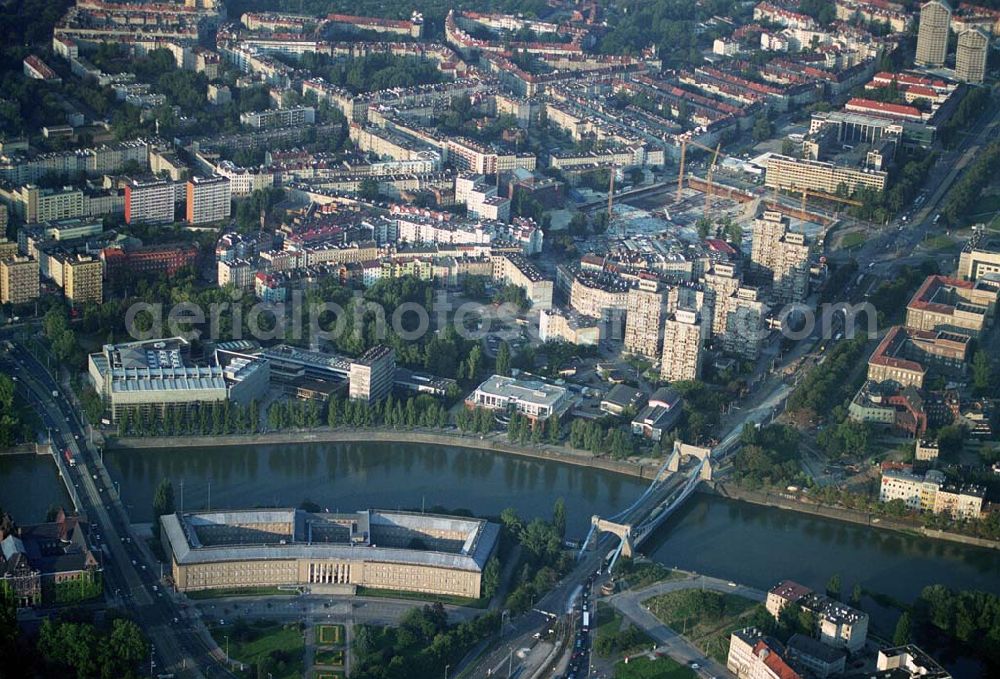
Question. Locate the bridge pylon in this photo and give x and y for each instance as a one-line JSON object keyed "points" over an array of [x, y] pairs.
{"points": [[682, 449], [622, 530]]}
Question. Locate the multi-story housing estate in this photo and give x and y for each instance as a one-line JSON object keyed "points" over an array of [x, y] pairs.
{"points": [[279, 117], [150, 201], [932, 33], [567, 325], [971, 56], [682, 349], [83, 279], [106, 159], [515, 269], [34, 204], [645, 313], [208, 199], [19, 282], [780, 257]]}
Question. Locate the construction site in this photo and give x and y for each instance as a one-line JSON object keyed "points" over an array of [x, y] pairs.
{"points": [[713, 196]]}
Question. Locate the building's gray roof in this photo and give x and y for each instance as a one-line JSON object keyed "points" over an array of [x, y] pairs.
{"points": [[186, 548], [527, 391], [806, 645]]}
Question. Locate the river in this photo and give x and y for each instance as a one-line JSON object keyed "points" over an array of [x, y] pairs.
{"points": [[29, 485], [725, 538]]}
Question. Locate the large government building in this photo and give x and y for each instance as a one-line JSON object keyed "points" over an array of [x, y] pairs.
{"points": [[426, 553]]}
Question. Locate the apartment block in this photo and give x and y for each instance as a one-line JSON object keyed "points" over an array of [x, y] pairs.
{"points": [[208, 200], [279, 117], [83, 279], [8, 248], [19, 281], [371, 376], [780, 257], [932, 33], [837, 625], [745, 317], [645, 314], [682, 351], [931, 492], [793, 174], [480, 198], [567, 325], [515, 269], [971, 56], [149, 202]]}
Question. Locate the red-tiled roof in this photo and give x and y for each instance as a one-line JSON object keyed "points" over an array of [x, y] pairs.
{"points": [[884, 107]]}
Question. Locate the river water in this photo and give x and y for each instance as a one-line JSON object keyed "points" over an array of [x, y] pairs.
{"points": [[29, 484], [728, 539]]}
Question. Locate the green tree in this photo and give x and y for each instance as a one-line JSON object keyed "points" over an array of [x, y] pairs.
{"points": [[491, 577], [982, 373], [904, 630], [163, 500], [368, 189], [856, 595], [503, 359], [833, 586], [559, 516]]}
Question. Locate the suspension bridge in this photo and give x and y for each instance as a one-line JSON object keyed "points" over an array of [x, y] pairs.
{"points": [[670, 487]]}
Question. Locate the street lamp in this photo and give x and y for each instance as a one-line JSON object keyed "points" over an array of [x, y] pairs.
{"points": [[228, 661], [446, 668]]}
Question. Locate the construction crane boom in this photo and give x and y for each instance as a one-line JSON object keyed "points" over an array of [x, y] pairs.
{"points": [[708, 183]]}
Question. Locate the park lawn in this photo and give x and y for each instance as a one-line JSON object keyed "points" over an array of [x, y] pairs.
{"points": [[330, 635], [329, 675], [482, 602], [263, 640], [611, 640], [637, 575], [661, 668], [939, 242], [852, 240], [335, 658], [706, 618], [239, 591]]}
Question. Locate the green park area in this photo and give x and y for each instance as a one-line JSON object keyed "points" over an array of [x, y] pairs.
{"points": [[706, 618], [330, 635], [612, 639], [638, 574], [263, 648], [645, 668], [333, 658]]}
